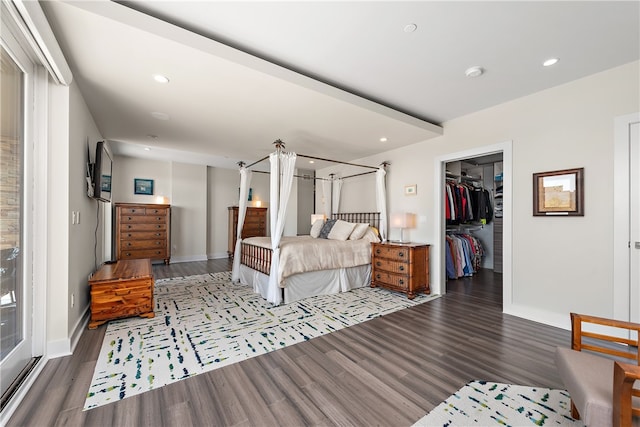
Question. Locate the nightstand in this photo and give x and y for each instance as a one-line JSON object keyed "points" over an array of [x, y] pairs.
{"points": [[400, 267]]}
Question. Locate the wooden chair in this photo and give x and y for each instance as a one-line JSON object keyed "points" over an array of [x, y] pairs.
{"points": [[600, 373]]}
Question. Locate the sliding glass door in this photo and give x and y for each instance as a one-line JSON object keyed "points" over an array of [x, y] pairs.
{"points": [[15, 298]]}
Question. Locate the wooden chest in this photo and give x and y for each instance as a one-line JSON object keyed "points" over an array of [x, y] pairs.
{"points": [[122, 289], [255, 225], [142, 231], [401, 267]]}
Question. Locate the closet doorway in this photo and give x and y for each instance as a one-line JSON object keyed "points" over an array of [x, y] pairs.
{"points": [[626, 220], [485, 170]]}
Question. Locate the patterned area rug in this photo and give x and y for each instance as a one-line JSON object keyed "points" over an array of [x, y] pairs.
{"points": [[481, 403], [206, 322]]}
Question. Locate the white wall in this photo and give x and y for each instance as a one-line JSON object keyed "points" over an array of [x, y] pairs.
{"points": [[560, 264], [85, 244], [126, 169], [188, 212]]}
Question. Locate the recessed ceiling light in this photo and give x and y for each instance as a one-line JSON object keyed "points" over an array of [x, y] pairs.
{"points": [[147, 149], [160, 78], [549, 62], [160, 116], [410, 28], [383, 139], [311, 161], [474, 71]]}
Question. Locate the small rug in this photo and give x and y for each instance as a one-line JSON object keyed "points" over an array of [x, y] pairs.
{"points": [[206, 322], [482, 403]]}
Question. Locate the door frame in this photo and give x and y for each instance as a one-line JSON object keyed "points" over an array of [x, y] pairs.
{"points": [[438, 273], [621, 216]]}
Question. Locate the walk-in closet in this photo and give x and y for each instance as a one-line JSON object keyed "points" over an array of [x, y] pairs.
{"points": [[473, 218]]}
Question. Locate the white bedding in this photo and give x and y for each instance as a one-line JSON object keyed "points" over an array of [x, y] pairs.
{"points": [[302, 254]]}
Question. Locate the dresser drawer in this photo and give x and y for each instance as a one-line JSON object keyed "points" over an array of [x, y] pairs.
{"points": [[144, 235], [397, 281], [142, 227], [132, 211], [398, 253], [143, 244], [156, 211], [391, 266], [143, 253], [126, 219]]}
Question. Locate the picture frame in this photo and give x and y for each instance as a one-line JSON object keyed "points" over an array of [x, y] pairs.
{"points": [[411, 190], [143, 186], [559, 193]]}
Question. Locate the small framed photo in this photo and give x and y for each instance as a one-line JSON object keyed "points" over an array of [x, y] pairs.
{"points": [[559, 193], [143, 186], [411, 190]]}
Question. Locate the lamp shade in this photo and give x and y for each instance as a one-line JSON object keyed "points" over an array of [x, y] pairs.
{"points": [[403, 220], [315, 217]]}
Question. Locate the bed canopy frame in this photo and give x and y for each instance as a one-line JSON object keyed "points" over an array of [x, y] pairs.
{"points": [[281, 173]]}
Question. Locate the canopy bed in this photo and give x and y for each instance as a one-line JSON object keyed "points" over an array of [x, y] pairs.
{"points": [[335, 258]]}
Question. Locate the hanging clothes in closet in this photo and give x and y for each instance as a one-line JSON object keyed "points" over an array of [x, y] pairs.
{"points": [[463, 255], [465, 203]]}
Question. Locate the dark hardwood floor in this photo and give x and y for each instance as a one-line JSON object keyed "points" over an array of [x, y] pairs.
{"points": [[389, 371]]}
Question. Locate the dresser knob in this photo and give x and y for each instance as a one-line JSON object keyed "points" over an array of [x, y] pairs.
{"points": [[378, 264], [157, 226], [129, 218], [401, 282], [128, 226], [128, 253], [401, 268], [378, 276], [400, 254], [377, 251]]}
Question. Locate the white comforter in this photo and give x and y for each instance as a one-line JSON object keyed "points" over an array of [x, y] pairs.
{"points": [[300, 254]]}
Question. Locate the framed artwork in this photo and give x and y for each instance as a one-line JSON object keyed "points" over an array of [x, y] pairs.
{"points": [[143, 186], [559, 193], [411, 190]]}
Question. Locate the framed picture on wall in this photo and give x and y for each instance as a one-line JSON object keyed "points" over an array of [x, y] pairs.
{"points": [[559, 193], [143, 186]]}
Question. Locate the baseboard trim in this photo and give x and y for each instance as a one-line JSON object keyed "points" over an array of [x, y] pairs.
{"points": [[218, 255], [558, 320], [188, 258]]}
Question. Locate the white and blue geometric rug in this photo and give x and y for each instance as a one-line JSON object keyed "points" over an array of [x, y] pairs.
{"points": [[482, 403], [206, 322]]}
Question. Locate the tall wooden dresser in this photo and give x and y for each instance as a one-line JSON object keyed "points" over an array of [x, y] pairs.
{"points": [[142, 231], [255, 225], [401, 267]]}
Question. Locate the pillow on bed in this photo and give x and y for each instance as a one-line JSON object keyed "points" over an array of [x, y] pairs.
{"points": [[326, 228], [370, 235], [341, 230], [316, 227], [358, 231]]}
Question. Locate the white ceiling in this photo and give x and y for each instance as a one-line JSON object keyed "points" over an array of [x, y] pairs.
{"points": [[328, 78]]}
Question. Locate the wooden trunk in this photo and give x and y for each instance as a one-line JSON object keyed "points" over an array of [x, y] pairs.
{"points": [[122, 289]]}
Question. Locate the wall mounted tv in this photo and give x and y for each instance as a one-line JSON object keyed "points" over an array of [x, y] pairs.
{"points": [[102, 169]]}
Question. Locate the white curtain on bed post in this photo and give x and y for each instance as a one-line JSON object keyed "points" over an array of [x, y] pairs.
{"points": [[381, 201], [245, 180], [337, 187], [326, 197], [282, 166]]}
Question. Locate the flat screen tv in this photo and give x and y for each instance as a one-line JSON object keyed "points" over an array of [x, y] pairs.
{"points": [[102, 173]]}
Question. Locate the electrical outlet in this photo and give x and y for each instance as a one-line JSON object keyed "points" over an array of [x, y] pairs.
{"points": [[73, 300], [73, 217]]}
